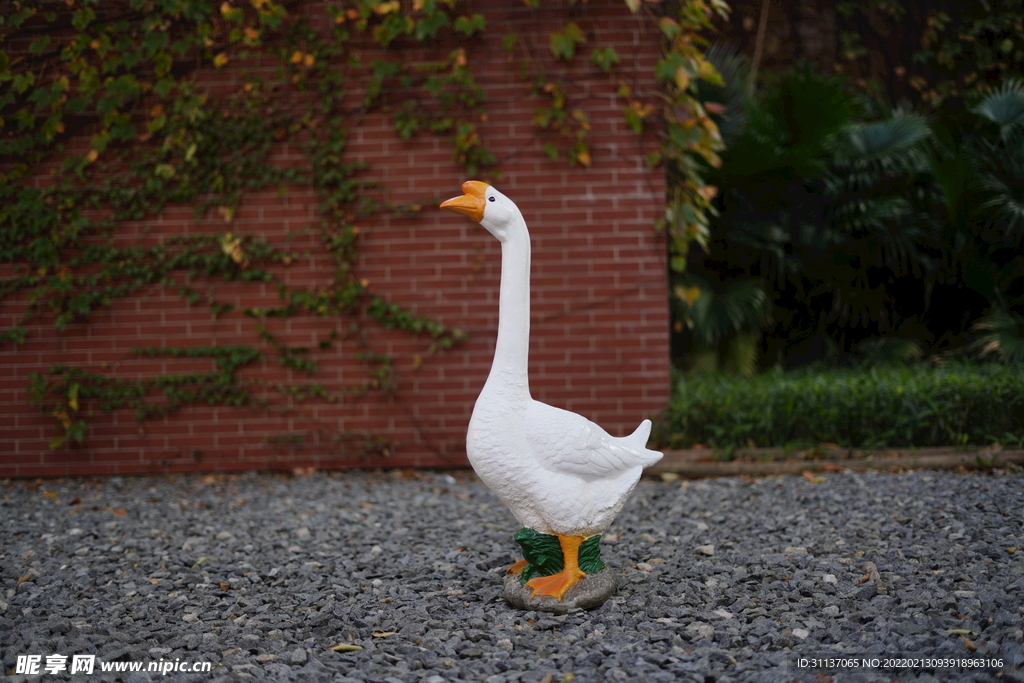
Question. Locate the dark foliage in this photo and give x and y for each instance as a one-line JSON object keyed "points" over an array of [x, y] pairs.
{"points": [[863, 231]]}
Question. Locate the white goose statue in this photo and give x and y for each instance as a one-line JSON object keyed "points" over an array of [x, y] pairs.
{"points": [[558, 472]]}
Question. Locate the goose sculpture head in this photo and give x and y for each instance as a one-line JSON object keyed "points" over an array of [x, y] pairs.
{"points": [[562, 476], [488, 207]]}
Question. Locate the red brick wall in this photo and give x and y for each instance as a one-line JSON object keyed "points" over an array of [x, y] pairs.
{"points": [[599, 320]]}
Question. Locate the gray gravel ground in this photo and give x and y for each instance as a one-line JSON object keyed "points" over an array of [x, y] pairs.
{"points": [[260, 574]]}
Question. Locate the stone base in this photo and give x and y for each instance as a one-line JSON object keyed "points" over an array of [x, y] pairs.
{"points": [[588, 593]]}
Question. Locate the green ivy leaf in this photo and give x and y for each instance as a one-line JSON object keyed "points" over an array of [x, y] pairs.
{"points": [[669, 27], [563, 43], [604, 58], [23, 82], [163, 87], [165, 171], [82, 18], [633, 120], [428, 26], [231, 13], [509, 41], [469, 25], [665, 69], [394, 26], [39, 45], [14, 334]]}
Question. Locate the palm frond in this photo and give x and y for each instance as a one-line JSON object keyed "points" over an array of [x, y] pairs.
{"points": [[953, 175], [811, 108], [1004, 107], [1002, 335], [1005, 204], [866, 155], [736, 356], [890, 350], [858, 217], [891, 231], [739, 356], [714, 318], [704, 362], [734, 67], [883, 139], [1001, 185], [788, 129]]}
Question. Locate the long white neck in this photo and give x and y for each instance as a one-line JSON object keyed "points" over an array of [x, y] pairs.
{"points": [[512, 351]]}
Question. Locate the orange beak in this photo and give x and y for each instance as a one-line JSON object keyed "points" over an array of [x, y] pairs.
{"points": [[470, 204]]}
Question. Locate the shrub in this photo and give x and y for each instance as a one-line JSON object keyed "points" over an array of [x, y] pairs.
{"points": [[896, 406], [855, 226]]}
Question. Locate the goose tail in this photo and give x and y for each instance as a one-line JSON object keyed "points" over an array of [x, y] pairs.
{"points": [[638, 442]]}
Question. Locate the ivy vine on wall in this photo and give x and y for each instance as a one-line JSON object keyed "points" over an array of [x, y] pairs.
{"points": [[122, 74]]}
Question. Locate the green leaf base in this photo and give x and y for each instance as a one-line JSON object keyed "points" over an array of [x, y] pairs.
{"points": [[543, 554]]}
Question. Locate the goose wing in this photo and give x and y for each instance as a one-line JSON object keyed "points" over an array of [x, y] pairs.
{"points": [[571, 444]]}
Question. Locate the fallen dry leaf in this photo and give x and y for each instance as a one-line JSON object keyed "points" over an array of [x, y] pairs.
{"points": [[345, 647], [383, 634], [565, 677]]}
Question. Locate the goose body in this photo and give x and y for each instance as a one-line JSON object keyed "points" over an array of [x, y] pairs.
{"points": [[558, 472]]}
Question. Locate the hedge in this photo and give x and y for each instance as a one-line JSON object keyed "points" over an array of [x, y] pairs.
{"points": [[956, 404]]}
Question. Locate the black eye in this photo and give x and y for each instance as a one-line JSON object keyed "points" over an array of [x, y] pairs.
{"points": [[490, 199]]}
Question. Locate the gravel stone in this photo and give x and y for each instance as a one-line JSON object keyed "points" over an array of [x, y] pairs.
{"points": [[260, 574]]}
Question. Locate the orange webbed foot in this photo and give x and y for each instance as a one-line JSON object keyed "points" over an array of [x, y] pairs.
{"points": [[517, 568], [556, 585]]}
